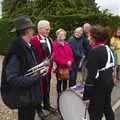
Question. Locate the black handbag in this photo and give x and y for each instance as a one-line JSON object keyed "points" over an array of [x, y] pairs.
{"points": [[15, 97]]}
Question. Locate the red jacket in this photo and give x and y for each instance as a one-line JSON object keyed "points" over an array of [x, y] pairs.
{"points": [[41, 55], [62, 54]]}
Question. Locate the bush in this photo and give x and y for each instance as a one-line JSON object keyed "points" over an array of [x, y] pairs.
{"points": [[67, 22], [70, 22], [6, 37]]}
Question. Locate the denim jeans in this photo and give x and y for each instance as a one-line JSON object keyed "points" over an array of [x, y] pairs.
{"points": [[73, 74]]}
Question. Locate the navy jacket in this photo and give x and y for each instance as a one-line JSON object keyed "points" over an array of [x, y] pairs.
{"points": [[77, 47], [86, 45]]}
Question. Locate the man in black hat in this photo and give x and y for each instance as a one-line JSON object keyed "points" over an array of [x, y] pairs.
{"points": [[19, 91]]}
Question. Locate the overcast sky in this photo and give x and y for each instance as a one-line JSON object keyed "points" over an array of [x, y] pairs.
{"points": [[112, 5], [0, 8]]}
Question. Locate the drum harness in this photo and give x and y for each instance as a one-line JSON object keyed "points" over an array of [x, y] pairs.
{"points": [[109, 64]]}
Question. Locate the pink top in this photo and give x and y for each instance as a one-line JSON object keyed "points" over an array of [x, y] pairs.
{"points": [[62, 54]]}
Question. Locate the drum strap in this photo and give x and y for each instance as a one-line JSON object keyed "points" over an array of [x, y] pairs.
{"points": [[109, 64]]}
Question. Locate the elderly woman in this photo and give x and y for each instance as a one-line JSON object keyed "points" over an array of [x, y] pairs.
{"points": [[99, 82], [62, 56]]}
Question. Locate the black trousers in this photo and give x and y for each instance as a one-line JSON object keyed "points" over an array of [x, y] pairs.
{"points": [[61, 85], [118, 72], [101, 104], [46, 91], [64, 86], [27, 112]]}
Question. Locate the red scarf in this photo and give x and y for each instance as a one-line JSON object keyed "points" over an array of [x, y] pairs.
{"points": [[97, 44]]}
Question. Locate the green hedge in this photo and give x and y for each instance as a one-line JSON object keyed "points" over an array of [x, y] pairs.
{"points": [[68, 22], [6, 37]]}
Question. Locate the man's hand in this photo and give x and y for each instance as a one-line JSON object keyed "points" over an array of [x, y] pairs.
{"points": [[44, 70]]}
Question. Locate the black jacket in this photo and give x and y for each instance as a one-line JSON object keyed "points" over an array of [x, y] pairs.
{"points": [[19, 59], [86, 45], [97, 59]]}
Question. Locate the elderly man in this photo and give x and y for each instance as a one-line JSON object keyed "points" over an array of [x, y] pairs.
{"points": [[43, 46], [76, 43], [86, 29]]}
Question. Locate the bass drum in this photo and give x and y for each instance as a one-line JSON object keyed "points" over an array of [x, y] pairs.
{"points": [[71, 105]]}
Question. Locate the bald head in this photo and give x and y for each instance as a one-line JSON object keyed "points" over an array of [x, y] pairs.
{"points": [[86, 27]]}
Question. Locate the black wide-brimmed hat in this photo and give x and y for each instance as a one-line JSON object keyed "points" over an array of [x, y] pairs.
{"points": [[21, 23]]}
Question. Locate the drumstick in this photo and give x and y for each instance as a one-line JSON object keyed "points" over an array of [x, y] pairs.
{"points": [[85, 116], [85, 112]]}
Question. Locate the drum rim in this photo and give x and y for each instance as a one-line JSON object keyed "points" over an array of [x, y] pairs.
{"points": [[70, 89]]}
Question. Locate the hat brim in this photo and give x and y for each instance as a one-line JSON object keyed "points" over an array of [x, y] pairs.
{"points": [[14, 29]]}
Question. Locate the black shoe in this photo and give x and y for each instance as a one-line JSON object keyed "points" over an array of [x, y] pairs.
{"points": [[41, 114], [49, 108]]}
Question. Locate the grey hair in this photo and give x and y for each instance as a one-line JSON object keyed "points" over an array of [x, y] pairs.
{"points": [[86, 25], [42, 23], [80, 29]]}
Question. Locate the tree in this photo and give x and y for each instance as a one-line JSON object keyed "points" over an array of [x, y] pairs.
{"points": [[14, 8], [66, 14], [34, 8]]}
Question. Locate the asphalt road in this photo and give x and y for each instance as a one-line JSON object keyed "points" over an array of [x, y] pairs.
{"points": [[117, 114], [53, 96]]}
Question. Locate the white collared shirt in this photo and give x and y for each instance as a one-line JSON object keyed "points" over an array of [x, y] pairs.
{"points": [[29, 44], [44, 41]]}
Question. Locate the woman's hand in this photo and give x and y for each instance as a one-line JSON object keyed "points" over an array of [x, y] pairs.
{"points": [[69, 63]]}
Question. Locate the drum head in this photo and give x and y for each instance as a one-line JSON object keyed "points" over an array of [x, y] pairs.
{"points": [[72, 107]]}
